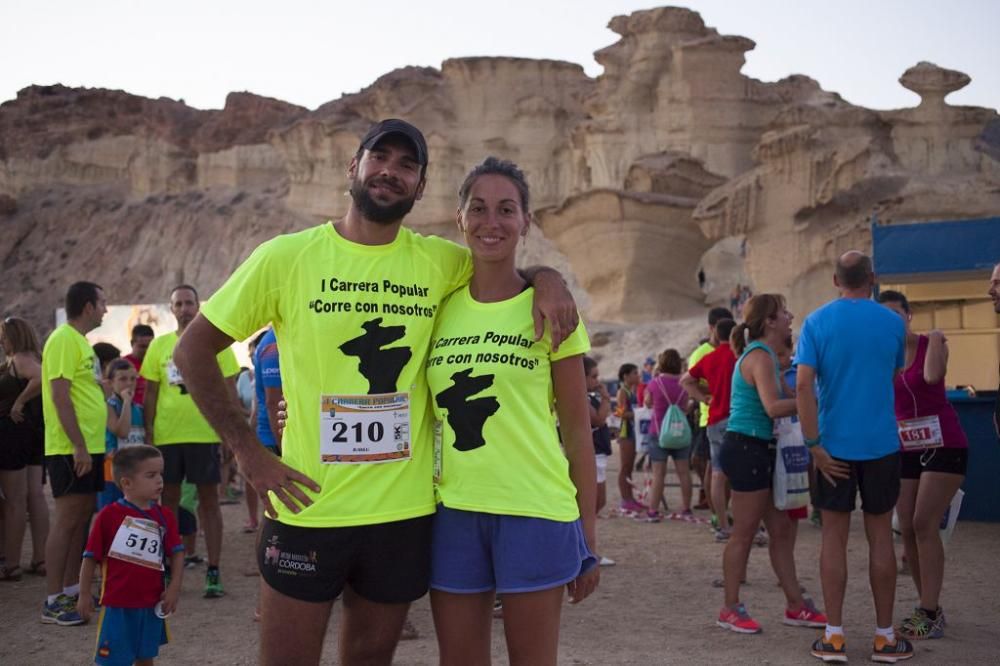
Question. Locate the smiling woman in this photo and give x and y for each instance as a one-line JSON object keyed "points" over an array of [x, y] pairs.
{"points": [[517, 513], [494, 212]]}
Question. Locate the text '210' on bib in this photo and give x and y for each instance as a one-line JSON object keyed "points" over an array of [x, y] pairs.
{"points": [[364, 428], [139, 541]]}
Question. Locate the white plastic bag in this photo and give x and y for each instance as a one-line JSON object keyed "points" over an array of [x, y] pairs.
{"points": [[791, 466], [948, 520], [643, 423], [951, 516]]}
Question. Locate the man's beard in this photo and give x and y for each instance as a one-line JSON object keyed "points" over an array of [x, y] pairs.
{"points": [[376, 212]]}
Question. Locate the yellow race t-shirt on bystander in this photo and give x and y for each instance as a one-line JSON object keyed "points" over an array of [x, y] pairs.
{"points": [[354, 324], [178, 420], [68, 355], [493, 394]]}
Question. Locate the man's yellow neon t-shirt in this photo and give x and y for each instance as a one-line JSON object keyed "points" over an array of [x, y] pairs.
{"points": [[68, 355], [492, 388], [702, 350], [350, 320], [178, 420]]}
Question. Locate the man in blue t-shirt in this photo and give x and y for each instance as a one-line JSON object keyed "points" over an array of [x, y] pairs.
{"points": [[267, 386], [851, 349]]}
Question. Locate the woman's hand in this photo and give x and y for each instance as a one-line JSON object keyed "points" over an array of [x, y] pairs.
{"points": [[17, 412], [584, 585], [282, 416]]}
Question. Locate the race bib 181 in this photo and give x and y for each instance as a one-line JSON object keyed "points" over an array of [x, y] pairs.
{"points": [[921, 433]]}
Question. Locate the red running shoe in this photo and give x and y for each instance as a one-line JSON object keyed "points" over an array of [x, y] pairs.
{"points": [[737, 619], [807, 616]]}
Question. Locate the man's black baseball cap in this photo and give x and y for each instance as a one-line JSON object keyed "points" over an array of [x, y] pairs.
{"points": [[384, 128]]}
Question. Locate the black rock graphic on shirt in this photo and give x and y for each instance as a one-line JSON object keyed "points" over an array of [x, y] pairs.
{"points": [[467, 417], [381, 367]]}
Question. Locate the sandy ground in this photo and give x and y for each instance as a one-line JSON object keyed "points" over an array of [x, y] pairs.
{"points": [[657, 606]]}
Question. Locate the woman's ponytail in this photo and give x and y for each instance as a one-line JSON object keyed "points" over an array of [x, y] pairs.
{"points": [[738, 338]]}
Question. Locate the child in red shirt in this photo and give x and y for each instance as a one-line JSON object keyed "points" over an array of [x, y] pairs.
{"points": [[131, 538]]}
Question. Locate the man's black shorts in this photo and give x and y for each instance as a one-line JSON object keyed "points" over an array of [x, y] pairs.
{"points": [[196, 463], [877, 480], [944, 459], [63, 478], [388, 563], [187, 523]]}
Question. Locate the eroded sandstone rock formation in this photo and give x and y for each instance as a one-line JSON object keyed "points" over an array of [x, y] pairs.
{"points": [[641, 176], [824, 171]]}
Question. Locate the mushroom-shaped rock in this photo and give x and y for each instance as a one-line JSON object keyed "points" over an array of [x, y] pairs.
{"points": [[933, 83]]}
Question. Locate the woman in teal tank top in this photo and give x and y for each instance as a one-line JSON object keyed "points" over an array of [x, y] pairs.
{"points": [[747, 458]]}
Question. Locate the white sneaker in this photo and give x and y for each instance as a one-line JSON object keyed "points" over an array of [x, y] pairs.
{"points": [[607, 562]]}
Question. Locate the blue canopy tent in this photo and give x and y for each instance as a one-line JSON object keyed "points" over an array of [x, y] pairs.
{"points": [[935, 250]]}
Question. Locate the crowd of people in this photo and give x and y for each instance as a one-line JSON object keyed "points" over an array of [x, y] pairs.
{"points": [[865, 396], [413, 372]]}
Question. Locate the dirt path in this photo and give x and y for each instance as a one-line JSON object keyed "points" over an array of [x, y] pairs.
{"points": [[657, 606]]}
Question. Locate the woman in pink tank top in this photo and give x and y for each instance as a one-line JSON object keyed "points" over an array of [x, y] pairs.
{"points": [[663, 391], [934, 452]]}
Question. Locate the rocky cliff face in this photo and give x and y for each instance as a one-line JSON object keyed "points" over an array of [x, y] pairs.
{"points": [[671, 83], [54, 134], [823, 172], [641, 177], [524, 110]]}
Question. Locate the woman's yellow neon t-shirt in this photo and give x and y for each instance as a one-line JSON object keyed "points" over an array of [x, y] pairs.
{"points": [[178, 420], [493, 394], [350, 320], [68, 355]]}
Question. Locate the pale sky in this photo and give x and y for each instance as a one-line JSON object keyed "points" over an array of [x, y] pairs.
{"points": [[309, 52]]}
